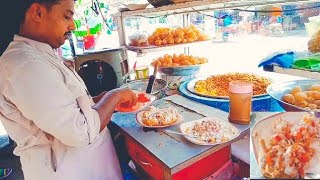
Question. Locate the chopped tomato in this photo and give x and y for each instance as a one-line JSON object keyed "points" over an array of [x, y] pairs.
{"points": [[307, 143], [278, 138], [299, 136], [313, 124], [143, 98], [301, 172], [125, 108], [269, 160], [304, 158], [302, 129], [287, 135]]}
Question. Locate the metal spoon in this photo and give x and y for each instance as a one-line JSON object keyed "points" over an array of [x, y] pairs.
{"points": [[312, 176], [174, 132]]}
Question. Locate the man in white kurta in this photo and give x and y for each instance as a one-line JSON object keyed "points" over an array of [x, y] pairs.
{"points": [[55, 137], [45, 108]]}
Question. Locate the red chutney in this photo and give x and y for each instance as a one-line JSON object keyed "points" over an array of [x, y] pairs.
{"points": [[141, 99]]}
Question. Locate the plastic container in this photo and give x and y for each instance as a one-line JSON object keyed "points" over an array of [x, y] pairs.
{"points": [[175, 81], [89, 42], [240, 97], [142, 72]]}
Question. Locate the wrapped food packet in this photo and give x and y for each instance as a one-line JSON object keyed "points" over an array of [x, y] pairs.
{"points": [[313, 30], [139, 39], [314, 43]]}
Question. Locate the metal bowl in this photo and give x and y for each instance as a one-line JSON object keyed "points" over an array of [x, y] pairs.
{"points": [[180, 70], [278, 90], [141, 85], [158, 3]]}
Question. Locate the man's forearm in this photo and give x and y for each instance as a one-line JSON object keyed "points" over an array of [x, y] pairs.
{"points": [[105, 107], [96, 99]]}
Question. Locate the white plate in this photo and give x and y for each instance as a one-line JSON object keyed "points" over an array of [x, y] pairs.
{"points": [[140, 122], [190, 124], [192, 83], [150, 47], [144, 105], [133, 7], [263, 129]]}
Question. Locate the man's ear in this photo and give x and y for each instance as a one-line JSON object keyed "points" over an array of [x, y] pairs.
{"points": [[36, 11]]}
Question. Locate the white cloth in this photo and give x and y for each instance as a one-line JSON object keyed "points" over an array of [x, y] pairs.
{"points": [[45, 108]]}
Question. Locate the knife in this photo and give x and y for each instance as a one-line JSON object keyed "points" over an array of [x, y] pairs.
{"points": [[152, 78]]}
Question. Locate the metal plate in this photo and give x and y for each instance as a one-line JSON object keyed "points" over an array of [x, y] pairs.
{"points": [[192, 83], [278, 90], [141, 85], [180, 70]]}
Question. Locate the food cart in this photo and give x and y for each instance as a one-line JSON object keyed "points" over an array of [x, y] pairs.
{"points": [[157, 153]]}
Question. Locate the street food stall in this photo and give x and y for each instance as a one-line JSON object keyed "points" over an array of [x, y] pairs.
{"points": [[186, 85], [169, 152]]}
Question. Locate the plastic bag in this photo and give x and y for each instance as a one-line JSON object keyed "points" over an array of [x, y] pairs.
{"points": [[314, 43]]}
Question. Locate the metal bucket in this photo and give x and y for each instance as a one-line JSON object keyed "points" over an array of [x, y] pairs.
{"points": [[141, 85]]}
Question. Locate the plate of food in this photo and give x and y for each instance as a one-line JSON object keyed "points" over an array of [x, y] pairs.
{"points": [[217, 86], [154, 117], [143, 100], [299, 95], [286, 145], [133, 7], [209, 131]]}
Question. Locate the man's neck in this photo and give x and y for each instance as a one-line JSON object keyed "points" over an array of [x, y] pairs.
{"points": [[28, 32]]}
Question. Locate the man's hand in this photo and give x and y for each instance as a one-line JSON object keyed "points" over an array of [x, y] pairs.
{"points": [[128, 97], [98, 98], [108, 102]]}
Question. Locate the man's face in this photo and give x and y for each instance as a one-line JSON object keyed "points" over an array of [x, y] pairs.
{"points": [[57, 23]]}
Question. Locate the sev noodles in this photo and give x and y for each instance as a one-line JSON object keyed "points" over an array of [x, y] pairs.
{"points": [[218, 85]]}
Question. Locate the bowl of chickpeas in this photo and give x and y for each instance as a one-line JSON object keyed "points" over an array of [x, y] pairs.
{"points": [[299, 95], [179, 65]]}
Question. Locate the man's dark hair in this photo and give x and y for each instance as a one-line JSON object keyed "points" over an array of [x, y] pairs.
{"points": [[13, 14]]}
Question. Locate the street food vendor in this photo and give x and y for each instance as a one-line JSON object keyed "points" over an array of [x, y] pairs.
{"points": [[45, 107]]}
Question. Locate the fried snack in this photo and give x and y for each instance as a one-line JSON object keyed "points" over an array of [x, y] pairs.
{"points": [[160, 117], [170, 36], [176, 61], [211, 131], [289, 149], [309, 99], [219, 85]]}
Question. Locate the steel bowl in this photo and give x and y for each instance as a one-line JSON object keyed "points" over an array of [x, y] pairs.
{"points": [[278, 90], [158, 3], [180, 70], [158, 89]]}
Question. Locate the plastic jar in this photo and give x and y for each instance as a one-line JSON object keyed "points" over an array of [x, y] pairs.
{"points": [[142, 72], [240, 96]]}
